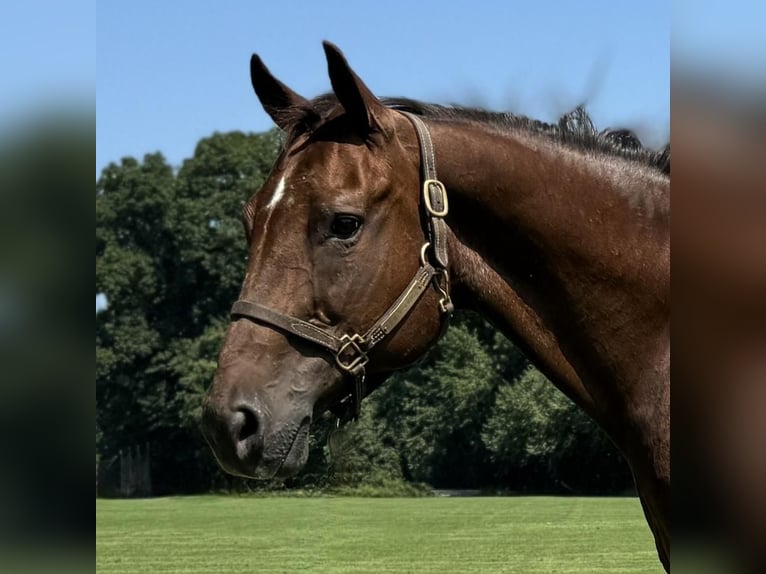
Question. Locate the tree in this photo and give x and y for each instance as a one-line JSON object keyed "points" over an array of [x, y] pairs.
{"points": [[361, 454], [132, 237], [540, 440], [434, 412], [169, 258]]}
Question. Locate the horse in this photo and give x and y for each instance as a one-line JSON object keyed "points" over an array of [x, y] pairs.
{"points": [[382, 215], [719, 365]]}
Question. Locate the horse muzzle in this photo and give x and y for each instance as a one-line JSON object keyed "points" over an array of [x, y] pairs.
{"points": [[248, 442]]}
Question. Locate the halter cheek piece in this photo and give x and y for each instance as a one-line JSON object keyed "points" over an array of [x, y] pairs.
{"points": [[351, 351]]}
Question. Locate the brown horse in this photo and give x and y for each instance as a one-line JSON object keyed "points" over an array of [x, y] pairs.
{"points": [[719, 364], [557, 234]]}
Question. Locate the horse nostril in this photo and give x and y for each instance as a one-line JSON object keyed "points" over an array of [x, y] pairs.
{"points": [[247, 429], [236, 432], [248, 422]]}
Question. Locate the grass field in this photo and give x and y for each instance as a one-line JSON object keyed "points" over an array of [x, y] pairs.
{"points": [[373, 535]]}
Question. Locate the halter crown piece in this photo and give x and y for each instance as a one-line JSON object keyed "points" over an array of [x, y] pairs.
{"points": [[351, 350]]}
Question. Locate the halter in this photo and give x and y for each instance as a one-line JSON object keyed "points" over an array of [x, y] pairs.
{"points": [[351, 350]]}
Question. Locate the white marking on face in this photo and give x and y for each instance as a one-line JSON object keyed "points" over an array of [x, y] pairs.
{"points": [[279, 193]]}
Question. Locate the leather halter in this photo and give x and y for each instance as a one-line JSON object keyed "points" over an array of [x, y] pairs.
{"points": [[351, 350]]}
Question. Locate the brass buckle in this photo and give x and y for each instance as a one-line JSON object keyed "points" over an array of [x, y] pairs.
{"points": [[427, 197], [351, 345]]}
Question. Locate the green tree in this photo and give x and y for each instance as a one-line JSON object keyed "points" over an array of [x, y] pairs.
{"points": [[540, 440], [434, 412], [169, 258], [359, 454], [212, 188], [132, 233]]}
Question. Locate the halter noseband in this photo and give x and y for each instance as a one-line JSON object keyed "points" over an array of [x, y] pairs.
{"points": [[351, 351]]}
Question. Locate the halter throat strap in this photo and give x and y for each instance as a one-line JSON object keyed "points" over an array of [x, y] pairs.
{"points": [[351, 350]]}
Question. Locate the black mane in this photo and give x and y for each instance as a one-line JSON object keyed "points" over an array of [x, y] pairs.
{"points": [[574, 128]]}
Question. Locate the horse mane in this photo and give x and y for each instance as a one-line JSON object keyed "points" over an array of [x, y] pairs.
{"points": [[574, 129]]}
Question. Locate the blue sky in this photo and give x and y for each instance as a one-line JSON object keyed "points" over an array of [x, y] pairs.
{"points": [[47, 58], [722, 37], [171, 73]]}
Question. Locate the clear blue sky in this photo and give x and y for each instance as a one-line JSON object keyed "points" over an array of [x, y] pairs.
{"points": [[170, 73], [722, 37], [47, 58]]}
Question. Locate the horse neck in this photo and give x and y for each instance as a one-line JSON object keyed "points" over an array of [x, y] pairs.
{"points": [[478, 286], [568, 254]]}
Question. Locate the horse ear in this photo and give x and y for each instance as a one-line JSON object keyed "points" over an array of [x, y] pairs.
{"points": [[276, 98], [356, 98]]}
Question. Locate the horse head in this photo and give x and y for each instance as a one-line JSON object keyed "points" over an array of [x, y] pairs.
{"points": [[341, 287]]}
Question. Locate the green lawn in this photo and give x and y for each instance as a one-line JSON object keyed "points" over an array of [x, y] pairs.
{"points": [[373, 535]]}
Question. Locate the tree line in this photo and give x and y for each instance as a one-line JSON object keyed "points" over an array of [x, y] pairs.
{"points": [[170, 258]]}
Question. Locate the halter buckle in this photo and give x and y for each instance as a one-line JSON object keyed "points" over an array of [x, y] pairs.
{"points": [[435, 187], [351, 355]]}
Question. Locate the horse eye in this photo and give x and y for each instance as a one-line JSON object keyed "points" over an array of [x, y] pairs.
{"points": [[345, 226]]}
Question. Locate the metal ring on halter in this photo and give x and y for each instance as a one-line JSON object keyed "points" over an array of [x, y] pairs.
{"points": [[423, 250]]}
